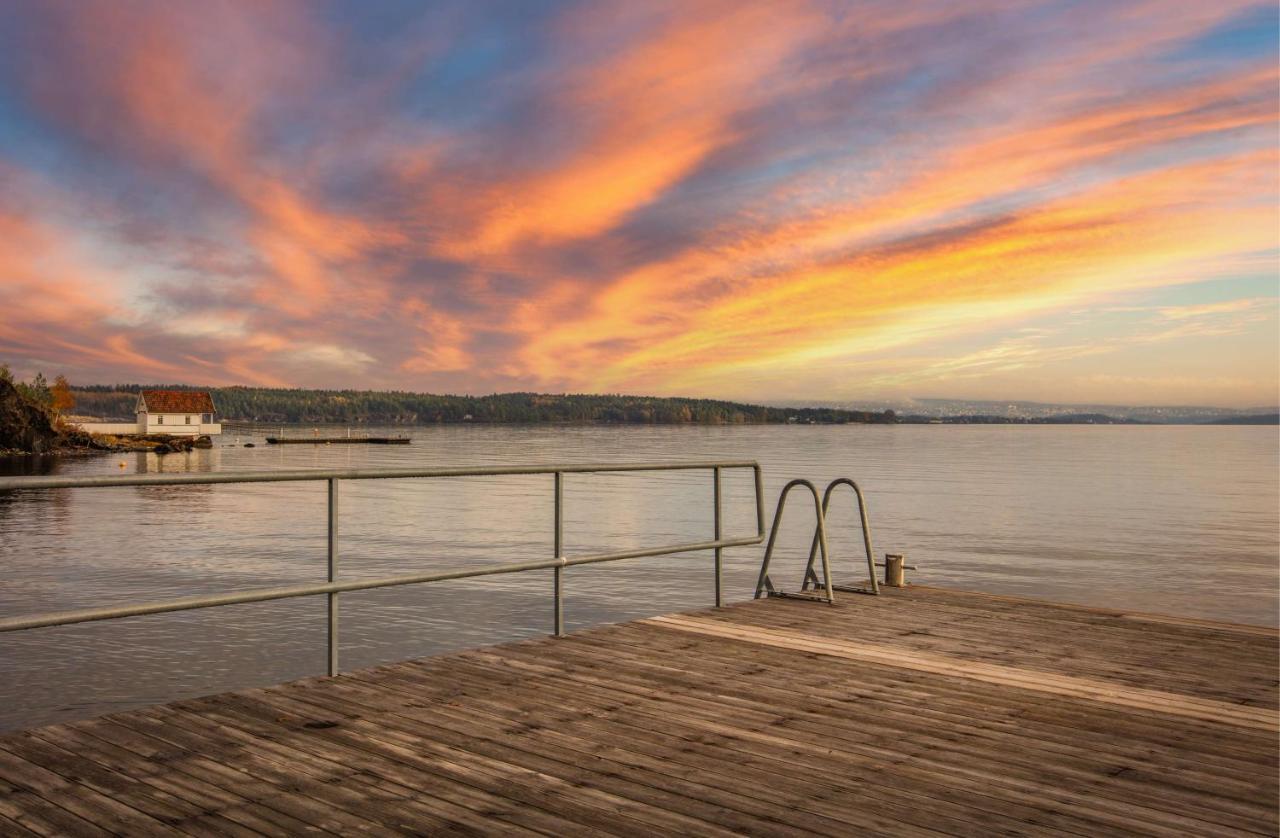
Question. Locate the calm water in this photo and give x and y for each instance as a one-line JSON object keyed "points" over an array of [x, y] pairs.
{"points": [[1180, 520]]}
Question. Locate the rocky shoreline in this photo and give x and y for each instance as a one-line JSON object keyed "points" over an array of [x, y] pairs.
{"points": [[28, 429], [79, 443]]}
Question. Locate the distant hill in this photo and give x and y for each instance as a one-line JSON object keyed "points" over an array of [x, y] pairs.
{"points": [[1258, 419], [982, 419], [1026, 410], [261, 404], [394, 407]]}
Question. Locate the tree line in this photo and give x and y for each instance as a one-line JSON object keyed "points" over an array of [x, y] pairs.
{"points": [[262, 404]]}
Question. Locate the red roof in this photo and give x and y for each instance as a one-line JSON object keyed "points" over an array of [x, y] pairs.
{"points": [[177, 401]]}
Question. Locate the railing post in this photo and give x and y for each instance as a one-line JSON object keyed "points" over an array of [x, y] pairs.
{"points": [[719, 551], [758, 478], [333, 575], [559, 569]]}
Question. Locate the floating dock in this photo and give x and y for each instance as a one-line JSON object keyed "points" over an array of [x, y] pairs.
{"points": [[918, 712], [340, 440]]}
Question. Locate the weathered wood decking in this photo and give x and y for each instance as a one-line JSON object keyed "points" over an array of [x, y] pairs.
{"points": [[922, 711]]}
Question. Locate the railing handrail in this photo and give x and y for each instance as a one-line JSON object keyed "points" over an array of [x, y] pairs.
{"points": [[333, 587], [10, 483]]}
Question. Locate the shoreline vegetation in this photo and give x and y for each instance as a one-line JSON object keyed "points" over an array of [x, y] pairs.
{"points": [[32, 422], [394, 407], [33, 414]]}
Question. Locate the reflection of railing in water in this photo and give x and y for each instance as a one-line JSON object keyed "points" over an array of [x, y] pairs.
{"points": [[333, 587]]}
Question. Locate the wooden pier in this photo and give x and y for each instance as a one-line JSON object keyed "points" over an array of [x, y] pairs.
{"points": [[339, 440], [922, 711]]}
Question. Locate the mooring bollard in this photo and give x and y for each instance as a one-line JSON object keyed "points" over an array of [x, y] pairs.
{"points": [[895, 573]]}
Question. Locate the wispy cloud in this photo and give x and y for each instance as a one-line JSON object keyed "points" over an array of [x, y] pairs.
{"points": [[666, 196], [1209, 309]]}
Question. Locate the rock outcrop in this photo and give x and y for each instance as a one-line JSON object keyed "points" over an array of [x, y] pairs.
{"points": [[25, 427]]}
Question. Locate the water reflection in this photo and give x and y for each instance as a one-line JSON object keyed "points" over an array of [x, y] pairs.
{"points": [[32, 465]]}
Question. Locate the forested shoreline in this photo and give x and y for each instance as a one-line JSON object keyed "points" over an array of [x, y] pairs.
{"points": [[262, 404]]}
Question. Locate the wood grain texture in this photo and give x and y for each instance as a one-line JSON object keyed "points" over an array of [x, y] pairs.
{"points": [[919, 712]]}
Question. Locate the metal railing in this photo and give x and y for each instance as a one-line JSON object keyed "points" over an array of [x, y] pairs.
{"points": [[813, 587], [810, 577], [764, 585], [332, 588]]}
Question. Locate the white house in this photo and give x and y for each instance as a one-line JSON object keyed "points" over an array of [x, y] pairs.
{"points": [[175, 412]]}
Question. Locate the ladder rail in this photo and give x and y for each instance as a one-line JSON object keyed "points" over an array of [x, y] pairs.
{"points": [[763, 584], [809, 576]]}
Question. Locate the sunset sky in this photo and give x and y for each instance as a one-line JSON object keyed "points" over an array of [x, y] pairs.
{"points": [[767, 201]]}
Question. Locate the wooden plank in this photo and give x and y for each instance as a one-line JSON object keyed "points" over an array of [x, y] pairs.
{"points": [[919, 712], [1007, 676], [323, 792], [1230, 669], [836, 756], [535, 788], [540, 688], [487, 776], [366, 798], [34, 813], [627, 636], [1081, 764], [1214, 626], [506, 731], [321, 796], [1158, 701], [900, 707], [1111, 632], [413, 791], [869, 656], [832, 695], [206, 800], [824, 727], [861, 802], [245, 800], [10, 827], [1262, 758], [146, 800], [1129, 724], [101, 810], [1089, 643]]}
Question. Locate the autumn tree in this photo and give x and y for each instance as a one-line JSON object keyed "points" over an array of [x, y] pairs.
{"points": [[61, 398]]}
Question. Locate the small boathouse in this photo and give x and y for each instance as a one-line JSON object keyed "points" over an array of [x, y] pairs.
{"points": [[174, 412]]}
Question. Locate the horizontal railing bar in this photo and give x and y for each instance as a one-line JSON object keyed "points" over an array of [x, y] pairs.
{"points": [[265, 594], [8, 483]]}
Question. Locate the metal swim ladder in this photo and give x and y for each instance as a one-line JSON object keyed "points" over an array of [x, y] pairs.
{"points": [[815, 588]]}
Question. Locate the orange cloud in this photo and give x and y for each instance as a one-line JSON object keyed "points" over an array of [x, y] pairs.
{"points": [[649, 115], [660, 196], [1129, 233], [154, 95], [55, 305]]}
